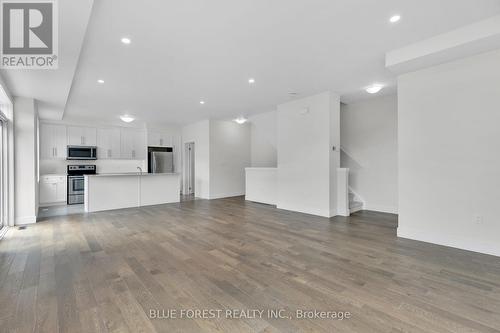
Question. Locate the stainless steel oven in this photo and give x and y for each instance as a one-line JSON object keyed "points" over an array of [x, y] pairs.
{"points": [[76, 189], [76, 182], [82, 153]]}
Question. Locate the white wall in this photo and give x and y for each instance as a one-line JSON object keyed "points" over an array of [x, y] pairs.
{"points": [[26, 173], [222, 152], [307, 130], [229, 156], [199, 133], [449, 161], [263, 139], [369, 149]]}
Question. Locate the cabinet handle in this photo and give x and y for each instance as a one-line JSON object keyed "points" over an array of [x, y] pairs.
{"points": [[109, 152], [53, 152], [161, 142], [133, 153]]}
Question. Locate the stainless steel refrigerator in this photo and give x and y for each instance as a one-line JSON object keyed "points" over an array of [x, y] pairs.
{"points": [[160, 160]]}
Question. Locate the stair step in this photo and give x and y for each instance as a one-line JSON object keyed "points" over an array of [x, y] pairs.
{"points": [[355, 204]]}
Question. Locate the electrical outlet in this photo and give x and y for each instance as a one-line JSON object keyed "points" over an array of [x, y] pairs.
{"points": [[479, 219]]}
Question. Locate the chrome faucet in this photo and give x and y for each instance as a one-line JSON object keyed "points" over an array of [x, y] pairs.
{"points": [[140, 170]]}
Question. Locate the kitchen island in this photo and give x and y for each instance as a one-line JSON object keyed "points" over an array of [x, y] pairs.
{"points": [[125, 190]]}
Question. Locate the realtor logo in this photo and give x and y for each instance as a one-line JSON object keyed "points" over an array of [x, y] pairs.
{"points": [[29, 34]]}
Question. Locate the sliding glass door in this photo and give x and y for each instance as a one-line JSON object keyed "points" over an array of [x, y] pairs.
{"points": [[6, 162], [2, 181]]}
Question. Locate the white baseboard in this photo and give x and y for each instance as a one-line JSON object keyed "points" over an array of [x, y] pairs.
{"points": [[25, 220], [380, 208], [340, 212], [227, 195], [306, 210], [354, 210], [259, 200], [50, 204], [450, 240]]}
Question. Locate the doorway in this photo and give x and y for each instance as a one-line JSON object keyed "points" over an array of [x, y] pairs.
{"points": [[189, 179]]}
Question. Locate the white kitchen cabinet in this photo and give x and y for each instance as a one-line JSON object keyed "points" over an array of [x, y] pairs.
{"points": [[53, 141], [133, 144], [53, 189], [108, 143], [61, 190], [159, 139], [82, 136]]}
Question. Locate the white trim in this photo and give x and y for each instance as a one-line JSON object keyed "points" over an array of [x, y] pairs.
{"points": [[380, 208], [25, 220], [469, 40], [228, 195], [357, 196], [307, 210], [450, 240], [357, 209], [6, 114], [50, 204], [342, 204]]}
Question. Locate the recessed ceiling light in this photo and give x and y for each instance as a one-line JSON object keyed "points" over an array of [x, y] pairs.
{"points": [[395, 18], [202, 102], [251, 80], [126, 118], [374, 88], [241, 120], [126, 40], [101, 81]]}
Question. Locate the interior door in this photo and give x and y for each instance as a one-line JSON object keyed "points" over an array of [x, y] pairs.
{"points": [[190, 179]]}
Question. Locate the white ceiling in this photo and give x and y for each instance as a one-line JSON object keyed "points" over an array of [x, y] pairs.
{"points": [[51, 87], [185, 51]]}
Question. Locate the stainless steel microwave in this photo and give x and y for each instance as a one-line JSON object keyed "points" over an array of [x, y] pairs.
{"points": [[82, 153]]}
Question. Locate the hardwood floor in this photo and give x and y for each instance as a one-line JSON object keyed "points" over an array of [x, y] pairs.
{"points": [[104, 272]]}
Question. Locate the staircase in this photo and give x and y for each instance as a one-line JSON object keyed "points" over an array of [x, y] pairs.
{"points": [[355, 202]]}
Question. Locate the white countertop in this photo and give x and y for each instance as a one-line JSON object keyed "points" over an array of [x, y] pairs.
{"points": [[144, 174], [53, 175]]}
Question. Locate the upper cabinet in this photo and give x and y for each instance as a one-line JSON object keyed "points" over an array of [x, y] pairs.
{"points": [[112, 143], [82, 136], [53, 141], [108, 143], [159, 139], [133, 144]]}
